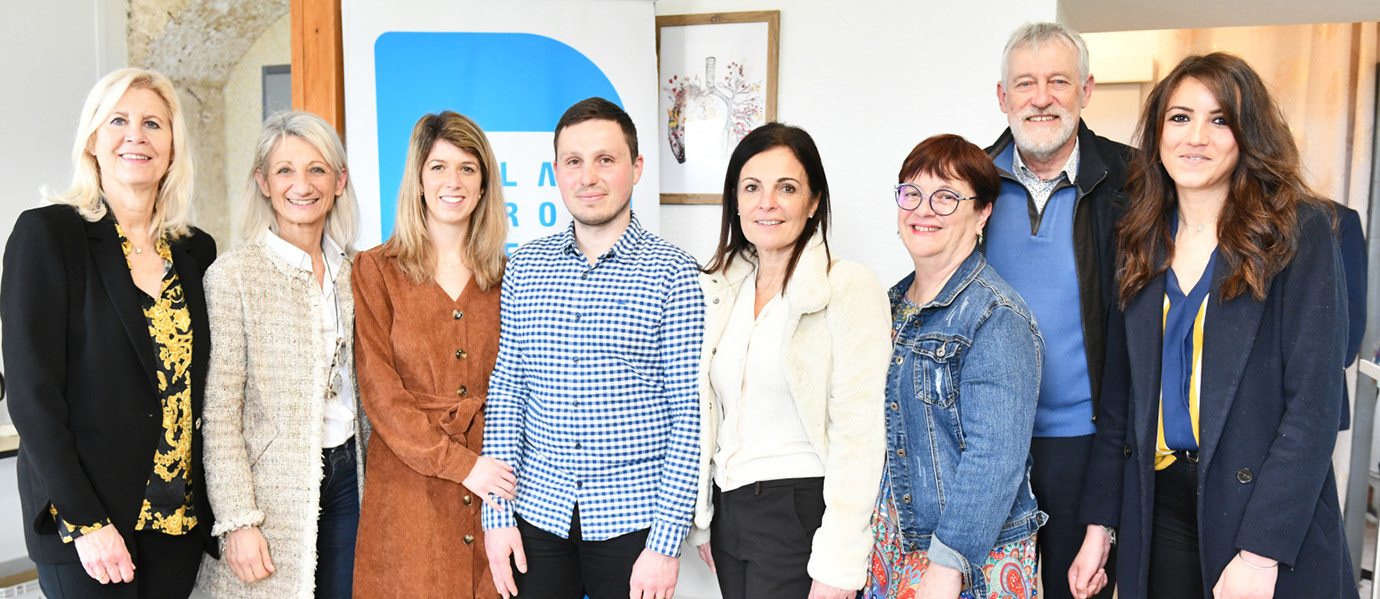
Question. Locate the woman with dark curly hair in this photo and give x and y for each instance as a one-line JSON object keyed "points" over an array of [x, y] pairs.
{"points": [[1221, 400]]}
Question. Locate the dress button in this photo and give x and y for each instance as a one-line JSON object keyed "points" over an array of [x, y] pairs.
{"points": [[895, 406], [468, 499], [901, 452], [460, 354], [1244, 476], [458, 314], [1126, 451], [461, 391], [906, 498], [469, 539]]}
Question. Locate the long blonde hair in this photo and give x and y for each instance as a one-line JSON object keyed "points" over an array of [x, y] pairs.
{"points": [[342, 223], [411, 243], [173, 206]]}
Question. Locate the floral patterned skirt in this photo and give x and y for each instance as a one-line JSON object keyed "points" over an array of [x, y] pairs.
{"points": [[896, 573]]}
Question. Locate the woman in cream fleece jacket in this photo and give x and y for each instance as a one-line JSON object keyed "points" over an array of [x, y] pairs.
{"points": [[792, 380]]}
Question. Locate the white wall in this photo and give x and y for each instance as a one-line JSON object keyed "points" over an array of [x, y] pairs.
{"points": [[51, 53], [868, 80]]}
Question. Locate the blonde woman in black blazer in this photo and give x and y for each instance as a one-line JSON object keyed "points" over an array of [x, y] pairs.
{"points": [[105, 348]]}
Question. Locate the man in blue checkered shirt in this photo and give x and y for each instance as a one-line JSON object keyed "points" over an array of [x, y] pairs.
{"points": [[593, 399]]}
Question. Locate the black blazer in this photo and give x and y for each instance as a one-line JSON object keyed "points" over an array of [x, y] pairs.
{"points": [[80, 367], [1267, 425]]}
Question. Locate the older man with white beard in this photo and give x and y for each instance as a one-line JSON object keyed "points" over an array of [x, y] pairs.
{"points": [[1051, 236]]}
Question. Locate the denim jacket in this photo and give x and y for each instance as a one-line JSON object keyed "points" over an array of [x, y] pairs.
{"points": [[961, 393]]}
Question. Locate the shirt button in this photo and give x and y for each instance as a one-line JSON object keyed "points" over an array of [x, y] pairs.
{"points": [[468, 499], [469, 539], [901, 452], [579, 484], [578, 446], [575, 359], [458, 314], [577, 318], [461, 391], [895, 406], [584, 275], [460, 354], [577, 403]]}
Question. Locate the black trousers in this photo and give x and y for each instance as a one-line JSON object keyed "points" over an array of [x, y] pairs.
{"points": [[166, 567], [1057, 480], [761, 537], [572, 568], [1175, 569]]}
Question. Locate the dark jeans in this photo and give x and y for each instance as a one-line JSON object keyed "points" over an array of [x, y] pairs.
{"points": [[338, 523], [1175, 570], [572, 567], [761, 537], [1057, 480], [166, 567]]}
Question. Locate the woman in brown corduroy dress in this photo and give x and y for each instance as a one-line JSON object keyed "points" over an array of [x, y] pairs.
{"points": [[426, 338]]}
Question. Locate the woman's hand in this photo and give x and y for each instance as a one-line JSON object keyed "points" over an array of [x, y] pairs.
{"points": [[1088, 574], [104, 555], [939, 582], [1248, 576], [707, 555], [491, 476], [819, 590], [246, 551]]}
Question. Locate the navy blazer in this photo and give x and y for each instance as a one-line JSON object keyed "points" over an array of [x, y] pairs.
{"points": [[1267, 426], [1351, 240], [81, 374]]}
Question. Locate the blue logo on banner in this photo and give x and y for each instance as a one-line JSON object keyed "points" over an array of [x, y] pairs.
{"points": [[504, 81]]}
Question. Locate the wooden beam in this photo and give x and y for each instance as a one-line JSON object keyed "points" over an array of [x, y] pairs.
{"points": [[318, 63]]}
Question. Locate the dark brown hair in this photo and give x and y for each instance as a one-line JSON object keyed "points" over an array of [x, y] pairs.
{"points": [[1257, 230], [951, 157], [733, 244], [598, 109]]}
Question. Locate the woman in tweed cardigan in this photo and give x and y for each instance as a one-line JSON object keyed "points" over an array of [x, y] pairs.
{"points": [[284, 434]]}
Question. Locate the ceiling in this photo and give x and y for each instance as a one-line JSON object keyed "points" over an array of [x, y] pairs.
{"points": [[1089, 16]]}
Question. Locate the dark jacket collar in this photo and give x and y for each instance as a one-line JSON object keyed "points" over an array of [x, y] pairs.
{"points": [[1092, 167]]}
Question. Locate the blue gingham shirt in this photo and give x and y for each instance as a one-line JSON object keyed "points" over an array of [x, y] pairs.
{"points": [[593, 399]]}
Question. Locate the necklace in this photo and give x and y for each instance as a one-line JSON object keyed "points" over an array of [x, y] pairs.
{"points": [[1196, 228]]}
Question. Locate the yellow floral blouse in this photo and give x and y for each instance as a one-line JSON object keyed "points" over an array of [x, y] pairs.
{"points": [[168, 500]]}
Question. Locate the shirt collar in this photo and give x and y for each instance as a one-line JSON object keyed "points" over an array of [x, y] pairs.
{"points": [[623, 249], [1070, 169], [295, 257]]}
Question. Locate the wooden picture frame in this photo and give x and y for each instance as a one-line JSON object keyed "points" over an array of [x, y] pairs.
{"points": [[717, 83]]}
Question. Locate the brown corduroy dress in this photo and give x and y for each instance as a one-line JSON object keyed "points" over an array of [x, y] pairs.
{"points": [[423, 363]]}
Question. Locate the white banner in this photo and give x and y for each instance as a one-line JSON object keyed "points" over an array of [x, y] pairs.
{"points": [[513, 66]]}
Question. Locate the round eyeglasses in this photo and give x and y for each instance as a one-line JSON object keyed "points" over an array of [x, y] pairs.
{"points": [[943, 202]]}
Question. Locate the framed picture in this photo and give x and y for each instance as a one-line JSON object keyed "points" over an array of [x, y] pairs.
{"points": [[717, 79]]}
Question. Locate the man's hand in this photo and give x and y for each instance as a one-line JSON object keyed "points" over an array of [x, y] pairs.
{"points": [[654, 576], [491, 476], [104, 555], [499, 543], [246, 551], [1088, 573], [819, 590]]}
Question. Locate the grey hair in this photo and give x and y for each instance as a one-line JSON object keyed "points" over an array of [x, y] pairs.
{"points": [[1034, 35], [342, 223]]}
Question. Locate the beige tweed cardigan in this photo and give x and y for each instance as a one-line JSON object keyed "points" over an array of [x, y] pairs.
{"points": [[265, 401]]}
